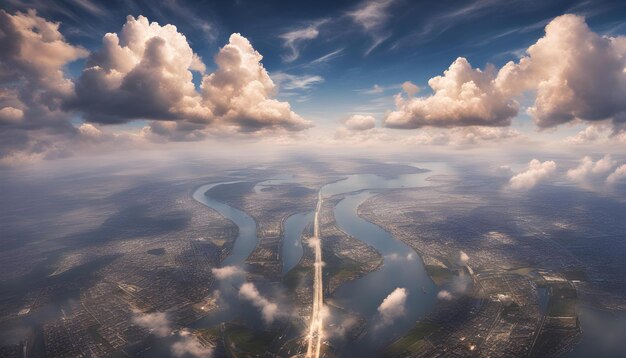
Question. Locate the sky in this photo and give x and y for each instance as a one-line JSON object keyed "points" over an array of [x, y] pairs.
{"points": [[82, 77]]}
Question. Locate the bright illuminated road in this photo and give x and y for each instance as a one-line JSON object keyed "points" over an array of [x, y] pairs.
{"points": [[316, 328]]}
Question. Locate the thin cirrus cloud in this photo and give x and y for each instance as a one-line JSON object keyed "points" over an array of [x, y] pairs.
{"points": [[589, 86], [294, 39], [372, 17]]}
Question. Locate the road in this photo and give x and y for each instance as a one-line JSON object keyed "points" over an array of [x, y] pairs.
{"points": [[316, 327]]}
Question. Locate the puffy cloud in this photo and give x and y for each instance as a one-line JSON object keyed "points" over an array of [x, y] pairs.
{"points": [[227, 272], [463, 258], [463, 96], [410, 88], [157, 323], [360, 122], [393, 306], [444, 295], [590, 134], [33, 50], [588, 170], [188, 345], [11, 115], [33, 54], [537, 171], [576, 73], [145, 72], [268, 309], [618, 175], [239, 91]]}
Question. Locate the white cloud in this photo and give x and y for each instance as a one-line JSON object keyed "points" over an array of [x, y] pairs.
{"points": [[410, 88], [537, 172], [463, 96], [465, 136], [227, 272], [327, 57], [576, 74], [444, 295], [371, 16], [287, 81], [618, 175], [590, 134], [463, 258], [240, 91], [145, 72], [269, 310], [11, 115], [293, 39], [157, 323], [359, 122], [188, 345], [393, 306], [588, 170], [33, 54]]}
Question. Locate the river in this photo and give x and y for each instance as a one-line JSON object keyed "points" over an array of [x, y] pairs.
{"points": [[402, 267]]}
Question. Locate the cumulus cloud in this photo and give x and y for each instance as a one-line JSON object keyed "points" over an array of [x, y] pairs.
{"points": [[410, 88], [589, 171], [145, 72], [618, 175], [588, 135], [33, 55], [463, 96], [269, 310], [463, 258], [576, 74], [240, 91], [537, 172], [188, 345], [157, 323], [393, 306], [444, 295], [227, 272], [360, 122]]}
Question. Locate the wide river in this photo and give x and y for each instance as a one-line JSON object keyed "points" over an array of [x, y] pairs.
{"points": [[402, 268]]}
